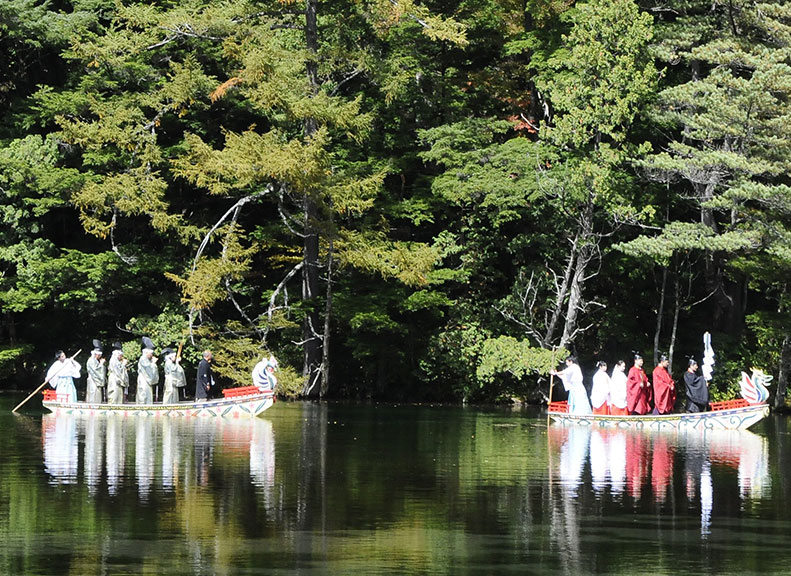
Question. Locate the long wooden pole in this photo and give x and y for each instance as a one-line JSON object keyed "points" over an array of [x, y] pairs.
{"points": [[45, 382], [179, 392], [551, 383]]}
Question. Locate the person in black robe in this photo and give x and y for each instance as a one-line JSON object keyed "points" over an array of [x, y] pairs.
{"points": [[697, 389], [204, 387]]}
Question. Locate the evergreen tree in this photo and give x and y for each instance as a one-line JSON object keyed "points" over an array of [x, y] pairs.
{"points": [[729, 152]]}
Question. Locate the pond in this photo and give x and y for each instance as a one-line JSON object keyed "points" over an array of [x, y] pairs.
{"points": [[384, 489]]}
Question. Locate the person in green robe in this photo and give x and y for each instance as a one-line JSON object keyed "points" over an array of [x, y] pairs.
{"points": [[174, 377], [97, 375], [117, 376], [147, 377]]}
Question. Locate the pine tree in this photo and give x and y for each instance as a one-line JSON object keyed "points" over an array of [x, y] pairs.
{"points": [[728, 115]]}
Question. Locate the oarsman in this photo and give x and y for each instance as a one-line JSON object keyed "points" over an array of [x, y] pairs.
{"points": [[664, 387], [147, 374], [571, 377], [618, 403], [174, 377], [600, 392], [697, 389], [61, 377], [638, 389], [204, 386], [97, 375], [117, 376]]}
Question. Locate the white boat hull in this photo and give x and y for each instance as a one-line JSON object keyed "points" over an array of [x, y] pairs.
{"points": [[237, 407], [730, 419]]}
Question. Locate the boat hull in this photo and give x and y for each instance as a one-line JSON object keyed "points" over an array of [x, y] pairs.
{"points": [[237, 407], [731, 419]]}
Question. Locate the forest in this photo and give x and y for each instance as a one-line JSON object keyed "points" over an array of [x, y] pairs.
{"points": [[402, 200]]}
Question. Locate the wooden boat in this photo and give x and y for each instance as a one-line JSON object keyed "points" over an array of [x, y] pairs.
{"points": [[244, 402], [736, 414]]}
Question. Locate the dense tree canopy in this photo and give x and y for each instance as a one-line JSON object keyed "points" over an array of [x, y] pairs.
{"points": [[401, 200]]}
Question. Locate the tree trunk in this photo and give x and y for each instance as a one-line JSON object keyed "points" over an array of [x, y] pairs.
{"points": [[575, 297], [325, 341], [586, 245], [310, 271], [674, 329], [782, 373], [561, 297], [659, 315]]}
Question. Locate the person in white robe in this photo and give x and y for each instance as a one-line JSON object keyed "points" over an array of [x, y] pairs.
{"points": [[61, 377], [147, 377], [117, 377], [600, 392], [618, 390], [571, 377], [174, 377], [97, 375]]}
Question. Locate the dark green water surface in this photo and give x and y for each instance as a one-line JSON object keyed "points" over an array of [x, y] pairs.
{"points": [[379, 489]]}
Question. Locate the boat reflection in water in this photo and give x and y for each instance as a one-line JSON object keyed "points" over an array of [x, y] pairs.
{"points": [[59, 437], [154, 454], [634, 468], [622, 484]]}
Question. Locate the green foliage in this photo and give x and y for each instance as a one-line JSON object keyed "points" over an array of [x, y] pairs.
{"points": [[32, 184], [167, 329], [602, 75], [408, 262], [687, 237], [10, 355], [451, 360], [44, 277], [505, 354], [489, 178], [289, 382], [206, 283]]}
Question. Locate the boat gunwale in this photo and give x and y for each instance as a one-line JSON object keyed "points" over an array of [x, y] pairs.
{"points": [[677, 419], [174, 407]]}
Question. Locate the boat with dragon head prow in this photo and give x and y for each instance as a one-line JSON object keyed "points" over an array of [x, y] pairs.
{"points": [[737, 414]]}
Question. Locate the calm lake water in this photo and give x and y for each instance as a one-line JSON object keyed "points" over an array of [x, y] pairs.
{"points": [[372, 489]]}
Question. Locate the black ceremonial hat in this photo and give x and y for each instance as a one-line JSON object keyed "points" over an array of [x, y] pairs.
{"points": [[97, 345], [147, 343], [117, 346], [167, 351]]}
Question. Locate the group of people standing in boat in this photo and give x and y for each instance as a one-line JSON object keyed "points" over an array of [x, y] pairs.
{"points": [[621, 393], [110, 381]]}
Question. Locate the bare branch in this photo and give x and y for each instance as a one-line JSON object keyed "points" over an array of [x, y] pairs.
{"points": [[184, 30], [282, 287], [228, 289], [348, 78], [288, 220], [241, 202], [128, 260], [233, 210], [278, 14]]}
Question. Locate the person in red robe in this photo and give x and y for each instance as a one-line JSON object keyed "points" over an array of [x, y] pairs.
{"points": [[664, 387], [638, 389]]}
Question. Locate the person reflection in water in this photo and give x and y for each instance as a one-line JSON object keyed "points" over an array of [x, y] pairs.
{"points": [[697, 389], [572, 382]]}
